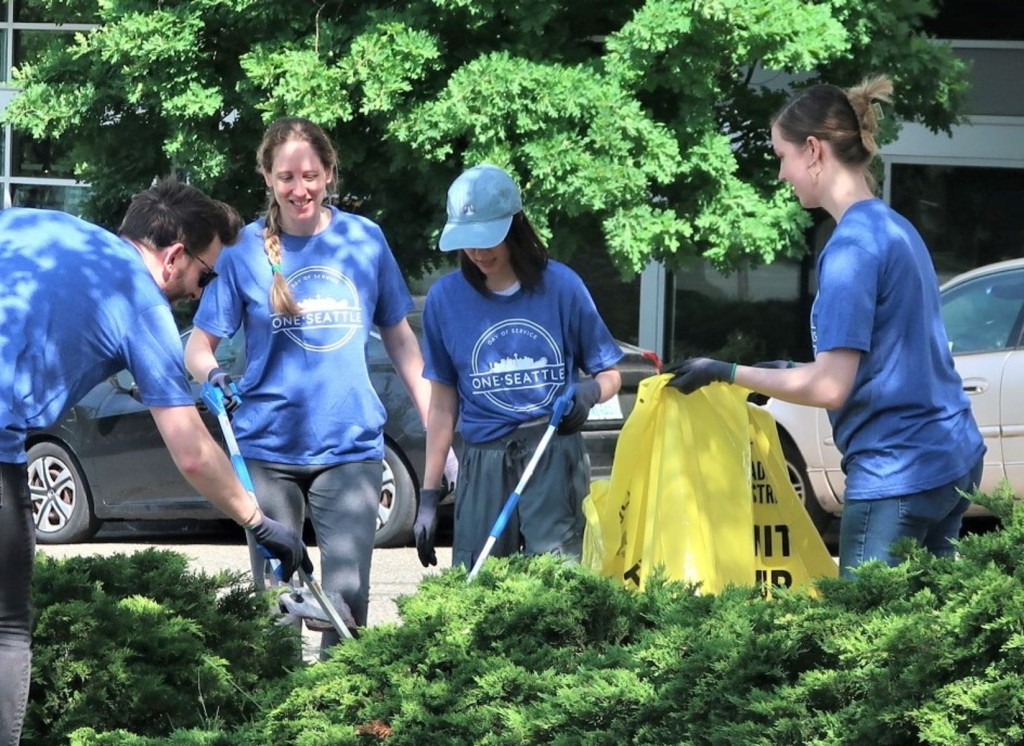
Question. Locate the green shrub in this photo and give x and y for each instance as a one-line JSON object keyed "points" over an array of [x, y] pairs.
{"points": [[138, 642], [539, 652]]}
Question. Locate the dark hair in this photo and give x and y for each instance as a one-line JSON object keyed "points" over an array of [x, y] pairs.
{"points": [[846, 119], [171, 211], [526, 251], [281, 131]]}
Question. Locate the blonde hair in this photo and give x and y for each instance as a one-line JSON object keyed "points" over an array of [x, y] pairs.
{"points": [[281, 131]]}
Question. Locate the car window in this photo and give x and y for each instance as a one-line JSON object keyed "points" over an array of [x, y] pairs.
{"points": [[985, 313]]}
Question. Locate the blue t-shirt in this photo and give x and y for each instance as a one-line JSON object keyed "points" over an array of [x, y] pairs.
{"points": [[306, 391], [509, 357], [77, 305], [907, 425]]}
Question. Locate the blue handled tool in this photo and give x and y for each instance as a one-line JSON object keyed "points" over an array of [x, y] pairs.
{"points": [[562, 404], [214, 399]]}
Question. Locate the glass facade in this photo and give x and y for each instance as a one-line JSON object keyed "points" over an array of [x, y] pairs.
{"points": [[35, 173], [968, 216]]}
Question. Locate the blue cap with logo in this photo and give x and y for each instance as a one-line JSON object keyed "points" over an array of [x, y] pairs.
{"points": [[481, 204]]}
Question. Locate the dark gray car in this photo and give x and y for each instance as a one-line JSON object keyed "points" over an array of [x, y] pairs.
{"points": [[105, 460]]}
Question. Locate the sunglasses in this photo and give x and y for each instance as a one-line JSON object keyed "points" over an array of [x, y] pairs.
{"points": [[208, 275]]}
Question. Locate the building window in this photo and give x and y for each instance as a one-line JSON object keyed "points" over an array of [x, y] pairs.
{"points": [[967, 216], [997, 88], [53, 197], [48, 159], [40, 11], [29, 44]]}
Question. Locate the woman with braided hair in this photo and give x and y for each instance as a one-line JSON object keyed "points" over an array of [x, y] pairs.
{"points": [[882, 365], [307, 283]]}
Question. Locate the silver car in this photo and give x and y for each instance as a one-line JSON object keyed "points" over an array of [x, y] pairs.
{"points": [[983, 311]]}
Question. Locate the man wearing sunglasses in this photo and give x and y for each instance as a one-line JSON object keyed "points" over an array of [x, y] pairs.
{"points": [[78, 304]]}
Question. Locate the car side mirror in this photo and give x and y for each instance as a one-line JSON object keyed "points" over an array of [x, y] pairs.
{"points": [[124, 382]]}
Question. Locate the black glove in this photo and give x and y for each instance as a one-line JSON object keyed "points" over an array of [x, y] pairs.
{"points": [[425, 530], [697, 372], [223, 380], [284, 544], [587, 394], [757, 397]]}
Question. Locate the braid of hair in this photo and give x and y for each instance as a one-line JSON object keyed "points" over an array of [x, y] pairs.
{"points": [[863, 98], [281, 298]]}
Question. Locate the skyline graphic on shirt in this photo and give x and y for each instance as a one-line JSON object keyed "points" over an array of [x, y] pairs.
{"points": [[331, 310], [518, 366]]}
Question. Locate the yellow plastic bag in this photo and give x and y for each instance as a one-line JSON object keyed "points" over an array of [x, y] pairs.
{"points": [[788, 549], [680, 496]]}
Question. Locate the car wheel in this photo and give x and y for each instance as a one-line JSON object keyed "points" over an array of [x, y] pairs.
{"points": [[397, 511], [797, 470], [61, 505]]}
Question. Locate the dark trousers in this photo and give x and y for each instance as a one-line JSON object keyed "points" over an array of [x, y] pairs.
{"points": [[343, 500], [17, 552], [549, 516]]}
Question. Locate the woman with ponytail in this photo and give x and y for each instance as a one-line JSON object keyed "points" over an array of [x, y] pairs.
{"points": [[307, 282], [882, 365]]}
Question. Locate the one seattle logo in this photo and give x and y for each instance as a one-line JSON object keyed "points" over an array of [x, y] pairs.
{"points": [[331, 314], [518, 366]]}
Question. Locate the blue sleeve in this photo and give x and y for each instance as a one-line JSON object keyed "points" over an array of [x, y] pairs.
{"points": [[437, 363], [844, 309], [152, 352]]}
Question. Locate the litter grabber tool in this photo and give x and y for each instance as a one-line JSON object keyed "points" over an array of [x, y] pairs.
{"points": [[314, 612], [562, 405], [213, 397]]}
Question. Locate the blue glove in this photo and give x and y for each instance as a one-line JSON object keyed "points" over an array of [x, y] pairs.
{"points": [[284, 544], [587, 394], [425, 529], [697, 372], [223, 380]]}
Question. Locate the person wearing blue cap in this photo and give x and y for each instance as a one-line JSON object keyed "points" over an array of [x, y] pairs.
{"points": [[504, 335]]}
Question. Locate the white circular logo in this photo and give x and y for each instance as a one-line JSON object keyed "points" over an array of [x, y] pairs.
{"points": [[331, 314], [517, 366]]}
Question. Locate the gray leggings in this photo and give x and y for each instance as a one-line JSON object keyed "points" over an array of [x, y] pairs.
{"points": [[549, 516], [17, 553], [343, 500]]}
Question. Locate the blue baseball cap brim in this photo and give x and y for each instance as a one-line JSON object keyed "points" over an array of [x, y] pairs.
{"points": [[476, 235]]}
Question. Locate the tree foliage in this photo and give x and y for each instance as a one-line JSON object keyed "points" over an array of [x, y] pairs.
{"points": [[635, 125]]}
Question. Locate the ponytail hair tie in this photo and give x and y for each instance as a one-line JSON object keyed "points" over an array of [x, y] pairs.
{"points": [[275, 268]]}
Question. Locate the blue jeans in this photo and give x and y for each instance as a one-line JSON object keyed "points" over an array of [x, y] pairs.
{"points": [[343, 500], [933, 518], [17, 552]]}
